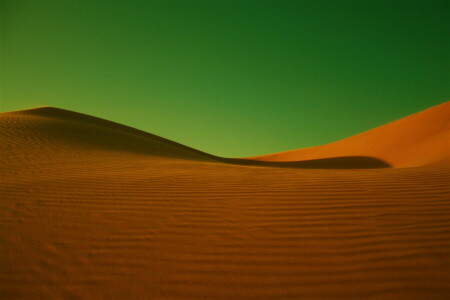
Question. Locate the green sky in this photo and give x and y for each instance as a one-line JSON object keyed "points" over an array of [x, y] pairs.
{"points": [[232, 78]]}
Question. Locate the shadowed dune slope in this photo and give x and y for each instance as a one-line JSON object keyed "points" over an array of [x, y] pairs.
{"points": [[54, 127], [91, 209], [419, 139], [58, 128], [342, 162]]}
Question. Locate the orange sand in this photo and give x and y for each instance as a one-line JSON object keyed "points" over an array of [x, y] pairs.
{"points": [[420, 139], [92, 209]]}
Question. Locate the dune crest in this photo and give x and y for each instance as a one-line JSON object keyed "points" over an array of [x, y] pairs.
{"points": [[64, 128], [419, 139]]}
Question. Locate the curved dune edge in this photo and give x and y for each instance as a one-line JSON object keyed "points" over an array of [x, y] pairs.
{"points": [[416, 140], [91, 209], [65, 127], [419, 139]]}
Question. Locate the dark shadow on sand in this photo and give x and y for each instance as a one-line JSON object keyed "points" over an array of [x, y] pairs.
{"points": [[103, 134], [346, 162]]}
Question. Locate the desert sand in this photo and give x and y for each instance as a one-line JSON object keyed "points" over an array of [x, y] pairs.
{"points": [[92, 209]]}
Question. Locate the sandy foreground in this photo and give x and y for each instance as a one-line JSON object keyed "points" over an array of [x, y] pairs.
{"points": [[91, 209]]}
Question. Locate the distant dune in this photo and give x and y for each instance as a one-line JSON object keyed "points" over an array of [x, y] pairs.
{"points": [[92, 209], [420, 139]]}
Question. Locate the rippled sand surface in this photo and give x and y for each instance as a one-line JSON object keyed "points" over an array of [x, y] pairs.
{"points": [[90, 209]]}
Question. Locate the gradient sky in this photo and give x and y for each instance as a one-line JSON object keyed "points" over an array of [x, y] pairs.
{"points": [[232, 78]]}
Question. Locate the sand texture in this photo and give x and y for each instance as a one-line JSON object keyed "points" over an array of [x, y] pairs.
{"points": [[91, 209]]}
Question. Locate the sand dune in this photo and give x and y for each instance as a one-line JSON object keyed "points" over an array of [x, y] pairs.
{"points": [[420, 139], [71, 130], [92, 209]]}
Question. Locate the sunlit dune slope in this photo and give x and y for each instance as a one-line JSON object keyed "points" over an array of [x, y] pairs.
{"points": [[419, 139], [91, 209]]}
